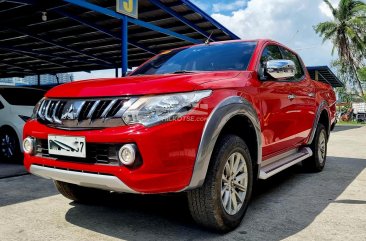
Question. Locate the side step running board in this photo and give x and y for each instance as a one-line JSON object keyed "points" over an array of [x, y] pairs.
{"points": [[285, 162]]}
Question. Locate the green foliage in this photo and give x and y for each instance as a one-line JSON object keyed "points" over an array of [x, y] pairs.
{"points": [[345, 94], [347, 32], [362, 74], [352, 123]]}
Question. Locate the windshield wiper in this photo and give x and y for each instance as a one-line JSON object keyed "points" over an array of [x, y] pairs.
{"points": [[176, 72], [183, 72]]}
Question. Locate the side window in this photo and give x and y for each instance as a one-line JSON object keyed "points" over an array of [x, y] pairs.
{"points": [[291, 56], [269, 53], [1, 105]]}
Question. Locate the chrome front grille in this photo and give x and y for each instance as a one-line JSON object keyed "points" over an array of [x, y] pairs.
{"points": [[83, 113]]}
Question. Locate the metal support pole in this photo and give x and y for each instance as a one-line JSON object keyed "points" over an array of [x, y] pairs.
{"points": [[38, 79], [124, 45], [116, 72], [57, 79], [316, 75]]}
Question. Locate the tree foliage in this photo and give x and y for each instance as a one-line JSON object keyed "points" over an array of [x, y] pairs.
{"points": [[347, 31], [362, 74]]}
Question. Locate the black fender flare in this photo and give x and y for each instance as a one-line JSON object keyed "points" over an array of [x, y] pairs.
{"points": [[223, 112], [323, 106]]}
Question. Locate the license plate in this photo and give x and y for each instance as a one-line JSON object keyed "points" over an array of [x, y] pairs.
{"points": [[66, 146]]}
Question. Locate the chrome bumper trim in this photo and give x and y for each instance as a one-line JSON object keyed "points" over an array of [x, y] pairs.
{"points": [[99, 181]]}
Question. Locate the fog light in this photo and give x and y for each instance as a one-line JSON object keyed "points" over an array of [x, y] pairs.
{"points": [[29, 145], [127, 154]]}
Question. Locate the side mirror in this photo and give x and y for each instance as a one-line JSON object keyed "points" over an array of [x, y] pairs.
{"points": [[280, 68]]}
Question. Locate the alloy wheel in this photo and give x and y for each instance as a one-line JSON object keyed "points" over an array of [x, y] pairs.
{"points": [[7, 145], [234, 183], [322, 145]]}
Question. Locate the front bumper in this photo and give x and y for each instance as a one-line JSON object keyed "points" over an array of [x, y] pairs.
{"points": [[100, 181], [168, 153]]}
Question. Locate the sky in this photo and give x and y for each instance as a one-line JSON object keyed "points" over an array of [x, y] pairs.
{"points": [[289, 22]]}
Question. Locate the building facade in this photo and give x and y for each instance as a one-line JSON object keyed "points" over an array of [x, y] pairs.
{"points": [[46, 79]]}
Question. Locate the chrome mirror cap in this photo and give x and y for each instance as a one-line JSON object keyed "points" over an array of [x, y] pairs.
{"points": [[281, 68]]}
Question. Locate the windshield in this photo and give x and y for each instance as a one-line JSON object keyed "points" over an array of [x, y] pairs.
{"points": [[214, 57]]}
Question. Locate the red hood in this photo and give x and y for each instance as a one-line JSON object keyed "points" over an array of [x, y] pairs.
{"points": [[138, 85]]}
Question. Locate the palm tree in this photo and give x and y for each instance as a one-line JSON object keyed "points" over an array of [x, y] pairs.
{"points": [[347, 32], [362, 76]]}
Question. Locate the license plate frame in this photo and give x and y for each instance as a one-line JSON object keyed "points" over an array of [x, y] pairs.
{"points": [[71, 146]]}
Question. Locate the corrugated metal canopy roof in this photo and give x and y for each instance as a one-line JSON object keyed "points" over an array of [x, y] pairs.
{"points": [[75, 38], [325, 74]]}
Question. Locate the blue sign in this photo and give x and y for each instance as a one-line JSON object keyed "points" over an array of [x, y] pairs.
{"points": [[128, 7]]}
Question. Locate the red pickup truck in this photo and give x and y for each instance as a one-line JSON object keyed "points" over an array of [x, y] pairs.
{"points": [[207, 120]]}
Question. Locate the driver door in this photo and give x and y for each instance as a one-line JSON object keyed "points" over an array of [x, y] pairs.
{"points": [[279, 117]]}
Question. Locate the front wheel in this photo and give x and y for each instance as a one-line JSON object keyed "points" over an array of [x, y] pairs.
{"points": [[222, 201], [316, 162]]}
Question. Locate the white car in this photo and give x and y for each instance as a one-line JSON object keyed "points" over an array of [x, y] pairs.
{"points": [[16, 107]]}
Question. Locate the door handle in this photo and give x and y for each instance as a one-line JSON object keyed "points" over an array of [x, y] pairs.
{"points": [[291, 96], [311, 94]]}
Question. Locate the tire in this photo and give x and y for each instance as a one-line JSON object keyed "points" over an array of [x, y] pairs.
{"points": [[9, 146], [316, 162], [207, 204], [80, 194]]}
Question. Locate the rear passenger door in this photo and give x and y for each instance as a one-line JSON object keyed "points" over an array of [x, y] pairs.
{"points": [[302, 92]]}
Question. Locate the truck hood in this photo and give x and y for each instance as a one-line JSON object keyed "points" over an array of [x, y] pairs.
{"points": [[138, 85]]}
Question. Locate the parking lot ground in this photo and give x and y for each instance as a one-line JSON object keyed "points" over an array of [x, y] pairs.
{"points": [[11, 170], [292, 205]]}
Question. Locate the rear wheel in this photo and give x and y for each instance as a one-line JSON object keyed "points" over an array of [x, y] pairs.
{"points": [[78, 193], [9, 145], [316, 162], [222, 201]]}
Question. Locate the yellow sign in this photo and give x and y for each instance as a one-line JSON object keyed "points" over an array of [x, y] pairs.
{"points": [[128, 7]]}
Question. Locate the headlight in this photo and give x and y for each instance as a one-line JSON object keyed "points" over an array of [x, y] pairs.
{"points": [[152, 110], [36, 108]]}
